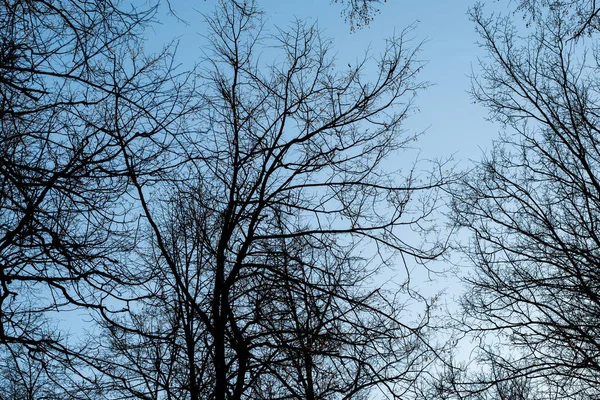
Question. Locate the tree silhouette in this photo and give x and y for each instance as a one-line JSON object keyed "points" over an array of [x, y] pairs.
{"points": [[265, 244], [74, 88], [532, 207]]}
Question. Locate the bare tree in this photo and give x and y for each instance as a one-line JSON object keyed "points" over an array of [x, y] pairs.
{"points": [[532, 207], [74, 88], [266, 244]]}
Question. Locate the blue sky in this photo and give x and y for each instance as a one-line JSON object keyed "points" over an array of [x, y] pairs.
{"points": [[453, 124]]}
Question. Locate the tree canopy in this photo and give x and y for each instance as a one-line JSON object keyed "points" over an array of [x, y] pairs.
{"points": [[244, 229]]}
